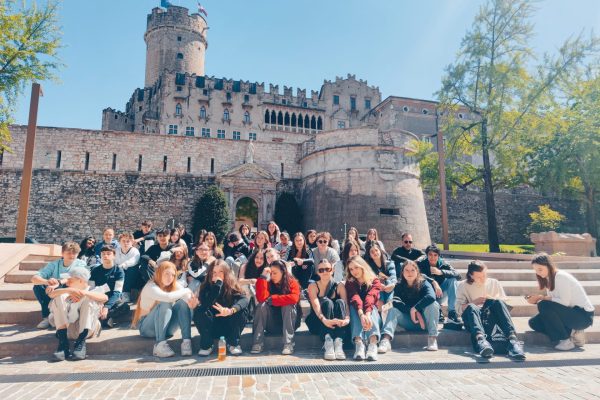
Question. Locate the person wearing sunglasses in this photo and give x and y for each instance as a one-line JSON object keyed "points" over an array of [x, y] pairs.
{"points": [[323, 251], [406, 251], [329, 316]]}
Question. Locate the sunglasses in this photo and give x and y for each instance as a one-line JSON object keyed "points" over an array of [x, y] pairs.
{"points": [[323, 270], [321, 241], [408, 241]]}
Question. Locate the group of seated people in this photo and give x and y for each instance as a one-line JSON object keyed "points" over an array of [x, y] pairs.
{"points": [[357, 293]]}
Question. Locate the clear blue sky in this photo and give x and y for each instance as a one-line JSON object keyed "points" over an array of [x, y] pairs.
{"points": [[402, 46]]}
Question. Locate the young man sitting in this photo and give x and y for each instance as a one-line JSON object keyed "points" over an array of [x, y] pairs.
{"points": [[112, 278], [74, 312], [53, 275], [108, 239], [406, 252], [145, 237], [148, 260]]}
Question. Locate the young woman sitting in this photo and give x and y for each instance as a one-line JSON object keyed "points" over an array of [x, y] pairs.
{"points": [[363, 289], [164, 306], [415, 308], [222, 309], [565, 311], [300, 257], [384, 268], [329, 316], [278, 308], [340, 268]]}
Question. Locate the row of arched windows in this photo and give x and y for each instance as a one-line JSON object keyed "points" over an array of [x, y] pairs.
{"points": [[300, 121], [226, 114]]}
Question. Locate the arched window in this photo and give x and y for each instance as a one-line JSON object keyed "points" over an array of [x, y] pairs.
{"points": [[203, 112], [286, 121], [294, 119], [273, 118], [178, 109], [306, 121], [247, 117], [267, 119], [313, 123], [226, 115], [320, 123], [280, 118], [300, 121]]}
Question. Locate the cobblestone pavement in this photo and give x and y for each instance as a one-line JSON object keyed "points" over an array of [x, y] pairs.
{"points": [[413, 379]]}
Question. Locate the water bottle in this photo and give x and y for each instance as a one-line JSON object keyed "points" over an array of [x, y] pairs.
{"points": [[222, 349]]}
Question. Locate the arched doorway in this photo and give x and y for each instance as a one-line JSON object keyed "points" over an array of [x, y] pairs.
{"points": [[246, 212]]}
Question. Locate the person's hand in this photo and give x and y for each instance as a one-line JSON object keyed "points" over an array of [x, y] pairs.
{"points": [[421, 320], [222, 311], [298, 261], [379, 304], [535, 298], [152, 263], [438, 290], [479, 301], [436, 271], [50, 289], [103, 313], [193, 302], [76, 295], [266, 271], [253, 281], [413, 315], [330, 323], [389, 288], [365, 321], [53, 282], [343, 322]]}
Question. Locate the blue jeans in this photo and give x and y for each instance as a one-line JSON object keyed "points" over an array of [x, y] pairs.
{"points": [[357, 329], [164, 320], [449, 289], [396, 317], [40, 294]]}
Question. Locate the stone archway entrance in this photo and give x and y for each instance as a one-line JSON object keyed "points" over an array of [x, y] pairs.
{"points": [[246, 212]]}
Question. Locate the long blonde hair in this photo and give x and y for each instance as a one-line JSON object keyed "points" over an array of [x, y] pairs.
{"points": [[368, 275], [158, 281]]}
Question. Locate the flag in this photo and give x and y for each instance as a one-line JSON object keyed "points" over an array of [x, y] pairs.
{"points": [[165, 3], [201, 9]]}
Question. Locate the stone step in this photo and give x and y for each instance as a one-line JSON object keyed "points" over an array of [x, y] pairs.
{"points": [[16, 291], [18, 276], [529, 275], [35, 265], [522, 288], [568, 265], [24, 341], [22, 312]]}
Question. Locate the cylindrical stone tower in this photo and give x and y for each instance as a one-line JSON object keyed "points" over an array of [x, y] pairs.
{"points": [[175, 42]]}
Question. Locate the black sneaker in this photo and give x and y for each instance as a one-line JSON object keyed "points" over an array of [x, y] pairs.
{"points": [[441, 319], [515, 350], [484, 348], [454, 318]]}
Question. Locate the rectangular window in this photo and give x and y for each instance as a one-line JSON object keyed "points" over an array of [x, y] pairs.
{"points": [[189, 165], [87, 162], [140, 163], [219, 84], [58, 159], [165, 164], [189, 131], [140, 95], [352, 103], [228, 96], [237, 135], [114, 162], [179, 88], [252, 136], [172, 129], [283, 101], [368, 104], [205, 92], [336, 99], [179, 38], [427, 139], [237, 86], [212, 165], [282, 170], [180, 56], [341, 124], [389, 211], [252, 89], [221, 133], [200, 82], [180, 79], [246, 98], [206, 132]]}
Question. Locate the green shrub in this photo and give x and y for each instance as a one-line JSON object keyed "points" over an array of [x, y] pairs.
{"points": [[544, 220], [211, 213]]}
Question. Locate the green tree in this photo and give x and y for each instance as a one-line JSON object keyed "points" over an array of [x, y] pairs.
{"points": [[211, 213], [29, 41], [287, 214], [545, 219], [490, 84]]}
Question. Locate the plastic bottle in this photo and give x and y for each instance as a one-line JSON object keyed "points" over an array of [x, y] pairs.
{"points": [[222, 349]]}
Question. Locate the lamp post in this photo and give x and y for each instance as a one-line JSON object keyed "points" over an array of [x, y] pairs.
{"points": [[442, 173]]}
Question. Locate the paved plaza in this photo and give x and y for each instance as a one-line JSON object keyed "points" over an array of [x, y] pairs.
{"points": [[401, 374]]}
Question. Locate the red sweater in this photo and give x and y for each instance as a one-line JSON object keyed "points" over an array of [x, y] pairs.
{"points": [[362, 297], [278, 300]]}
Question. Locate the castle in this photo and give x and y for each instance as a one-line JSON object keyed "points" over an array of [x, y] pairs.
{"points": [[342, 151]]}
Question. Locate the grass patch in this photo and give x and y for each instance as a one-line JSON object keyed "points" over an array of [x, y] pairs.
{"points": [[504, 248]]}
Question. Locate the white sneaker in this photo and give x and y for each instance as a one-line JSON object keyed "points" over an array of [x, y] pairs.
{"points": [[126, 297], [578, 337], [565, 345], [384, 346], [328, 347], [162, 350], [235, 350], [205, 352], [186, 347], [44, 324], [338, 348], [372, 352], [288, 349], [359, 351], [431, 343]]}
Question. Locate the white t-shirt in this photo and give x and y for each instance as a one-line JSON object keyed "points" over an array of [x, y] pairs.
{"points": [[152, 293], [129, 259], [569, 292], [467, 292]]}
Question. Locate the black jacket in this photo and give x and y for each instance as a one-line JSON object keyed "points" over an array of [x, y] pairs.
{"points": [[235, 251], [400, 255], [406, 298], [213, 293], [447, 271]]}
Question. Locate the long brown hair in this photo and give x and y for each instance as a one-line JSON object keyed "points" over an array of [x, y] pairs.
{"points": [[545, 260], [284, 284], [231, 286], [368, 275], [158, 281], [474, 266], [418, 282], [184, 261]]}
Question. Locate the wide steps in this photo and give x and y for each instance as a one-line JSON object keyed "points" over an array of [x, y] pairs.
{"points": [[529, 275], [566, 265], [18, 276]]}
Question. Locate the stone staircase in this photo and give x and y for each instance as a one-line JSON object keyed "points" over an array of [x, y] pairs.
{"points": [[20, 312]]}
